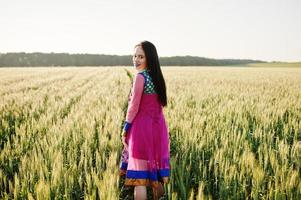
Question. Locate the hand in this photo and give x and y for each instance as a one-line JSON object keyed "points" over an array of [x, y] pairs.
{"points": [[124, 141]]}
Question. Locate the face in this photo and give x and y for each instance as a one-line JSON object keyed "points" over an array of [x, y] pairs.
{"points": [[139, 58]]}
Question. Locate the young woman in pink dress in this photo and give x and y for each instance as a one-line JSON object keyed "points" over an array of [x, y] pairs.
{"points": [[145, 156]]}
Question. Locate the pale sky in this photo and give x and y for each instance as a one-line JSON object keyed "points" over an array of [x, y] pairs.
{"points": [[240, 29]]}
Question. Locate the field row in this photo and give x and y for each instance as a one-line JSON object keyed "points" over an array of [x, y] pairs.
{"points": [[235, 132]]}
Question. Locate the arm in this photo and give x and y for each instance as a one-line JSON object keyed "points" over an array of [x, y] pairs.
{"points": [[134, 103]]}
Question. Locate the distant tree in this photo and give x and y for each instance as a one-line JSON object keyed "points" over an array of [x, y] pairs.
{"points": [[65, 59]]}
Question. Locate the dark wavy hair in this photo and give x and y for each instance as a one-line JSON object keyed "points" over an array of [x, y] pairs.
{"points": [[153, 65]]}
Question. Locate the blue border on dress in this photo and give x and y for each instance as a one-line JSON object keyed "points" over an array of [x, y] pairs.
{"points": [[133, 174], [124, 166]]}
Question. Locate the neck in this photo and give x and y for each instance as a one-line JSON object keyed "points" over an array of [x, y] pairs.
{"points": [[141, 70]]}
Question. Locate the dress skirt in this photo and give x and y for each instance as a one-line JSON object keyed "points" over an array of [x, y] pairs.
{"points": [[147, 159]]}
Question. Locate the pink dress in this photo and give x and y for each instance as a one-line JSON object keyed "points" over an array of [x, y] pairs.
{"points": [[146, 162]]}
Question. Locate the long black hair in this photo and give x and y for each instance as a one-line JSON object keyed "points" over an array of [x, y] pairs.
{"points": [[153, 65]]}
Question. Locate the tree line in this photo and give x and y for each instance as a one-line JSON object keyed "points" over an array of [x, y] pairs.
{"points": [[65, 59]]}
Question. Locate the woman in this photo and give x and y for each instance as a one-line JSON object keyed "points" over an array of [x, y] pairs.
{"points": [[145, 157]]}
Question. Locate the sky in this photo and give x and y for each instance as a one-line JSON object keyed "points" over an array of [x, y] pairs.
{"points": [[268, 30]]}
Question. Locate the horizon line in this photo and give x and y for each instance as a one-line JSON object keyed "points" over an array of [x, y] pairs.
{"points": [[272, 61]]}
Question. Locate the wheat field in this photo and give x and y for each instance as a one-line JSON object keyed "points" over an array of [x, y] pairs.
{"points": [[235, 132]]}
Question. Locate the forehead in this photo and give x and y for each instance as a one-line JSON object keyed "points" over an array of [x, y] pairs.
{"points": [[138, 50]]}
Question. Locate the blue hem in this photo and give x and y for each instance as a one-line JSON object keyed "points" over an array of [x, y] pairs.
{"points": [[154, 176]]}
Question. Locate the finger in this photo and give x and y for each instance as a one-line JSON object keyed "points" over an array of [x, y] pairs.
{"points": [[125, 144], [124, 141]]}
